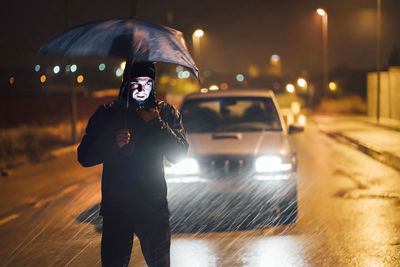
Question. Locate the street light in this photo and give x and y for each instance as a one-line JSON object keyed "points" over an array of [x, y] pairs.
{"points": [[197, 34], [332, 86], [290, 88], [321, 12], [302, 83]]}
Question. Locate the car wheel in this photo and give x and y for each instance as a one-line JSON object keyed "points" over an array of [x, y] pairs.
{"points": [[288, 212]]}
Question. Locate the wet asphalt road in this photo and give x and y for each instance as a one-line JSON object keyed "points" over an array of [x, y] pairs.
{"points": [[349, 215]]}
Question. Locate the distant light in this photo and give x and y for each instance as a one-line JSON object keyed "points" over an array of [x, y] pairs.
{"points": [[37, 68], [203, 90], [123, 65], [214, 87], [332, 86], [79, 79], [302, 82], [56, 69], [119, 72], [290, 88], [321, 12], [224, 86], [183, 74], [302, 119], [186, 74], [275, 58], [198, 33], [240, 77], [179, 68], [102, 66], [12, 80], [254, 71], [68, 68], [74, 68], [42, 78], [295, 107]]}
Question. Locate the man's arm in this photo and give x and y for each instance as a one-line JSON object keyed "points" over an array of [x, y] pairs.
{"points": [[167, 129], [93, 147]]}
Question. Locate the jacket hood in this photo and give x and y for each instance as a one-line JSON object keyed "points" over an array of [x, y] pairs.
{"points": [[139, 69]]}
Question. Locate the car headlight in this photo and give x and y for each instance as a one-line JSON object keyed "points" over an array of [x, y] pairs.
{"points": [[269, 164], [187, 166]]}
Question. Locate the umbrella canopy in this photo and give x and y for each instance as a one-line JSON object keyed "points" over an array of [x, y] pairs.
{"points": [[131, 39]]}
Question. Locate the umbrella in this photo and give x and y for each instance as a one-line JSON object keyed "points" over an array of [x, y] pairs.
{"points": [[131, 39]]}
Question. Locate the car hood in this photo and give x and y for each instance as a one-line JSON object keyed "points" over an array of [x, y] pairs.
{"points": [[243, 143]]}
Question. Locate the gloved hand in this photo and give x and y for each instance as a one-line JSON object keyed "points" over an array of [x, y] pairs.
{"points": [[123, 137]]}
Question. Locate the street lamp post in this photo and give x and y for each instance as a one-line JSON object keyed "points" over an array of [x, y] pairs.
{"points": [[324, 16], [378, 58], [197, 34]]}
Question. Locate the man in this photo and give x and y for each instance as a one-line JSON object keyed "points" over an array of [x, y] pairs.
{"points": [[131, 143]]}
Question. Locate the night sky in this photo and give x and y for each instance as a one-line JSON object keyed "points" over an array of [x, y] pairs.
{"points": [[237, 33]]}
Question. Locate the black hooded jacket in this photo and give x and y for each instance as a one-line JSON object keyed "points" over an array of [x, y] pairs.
{"points": [[133, 182]]}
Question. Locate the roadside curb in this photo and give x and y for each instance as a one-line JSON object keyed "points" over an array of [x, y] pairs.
{"points": [[394, 125], [377, 154]]}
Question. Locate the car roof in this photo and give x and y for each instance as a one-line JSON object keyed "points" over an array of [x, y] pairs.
{"points": [[232, 93]]}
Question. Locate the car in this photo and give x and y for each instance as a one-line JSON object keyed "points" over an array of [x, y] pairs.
{"points": [[241, 165]]}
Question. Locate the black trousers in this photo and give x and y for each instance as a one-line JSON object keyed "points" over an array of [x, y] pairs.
{"points": [[117, 241]]}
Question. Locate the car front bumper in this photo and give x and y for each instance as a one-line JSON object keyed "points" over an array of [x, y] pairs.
{"points": [[254, 188]]}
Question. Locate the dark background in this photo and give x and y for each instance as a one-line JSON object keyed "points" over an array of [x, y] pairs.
{"points": [[237, 33]]}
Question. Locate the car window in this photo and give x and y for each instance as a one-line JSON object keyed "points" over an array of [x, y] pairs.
{"points": [[230, 115]]}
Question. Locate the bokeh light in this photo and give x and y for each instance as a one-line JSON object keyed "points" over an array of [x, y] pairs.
{"points": [[224, 86], [321, 12], [74, 68], [240, 77], [332, 86], [214, 87], [102, 66], [183, 74], [198, 33], [275, 58], [56, 69], [302, 82], [12, 80], [119, 72], [290, 88], [43, 78], [254, 71], [37, 68], [80, 79]]}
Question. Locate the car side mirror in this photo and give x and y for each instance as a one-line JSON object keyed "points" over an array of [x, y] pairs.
{"points": [[295, 128]]}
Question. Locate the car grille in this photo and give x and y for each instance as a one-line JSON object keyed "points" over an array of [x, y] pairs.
{"points": [[219, 167]]}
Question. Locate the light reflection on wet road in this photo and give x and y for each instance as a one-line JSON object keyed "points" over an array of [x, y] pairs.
{"points": [[349, 215]]}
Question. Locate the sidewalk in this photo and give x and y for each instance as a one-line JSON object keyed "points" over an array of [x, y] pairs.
{"points": [[379, 140]]}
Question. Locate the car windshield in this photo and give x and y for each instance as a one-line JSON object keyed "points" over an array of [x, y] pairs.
{"points": [[234, 114]]}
